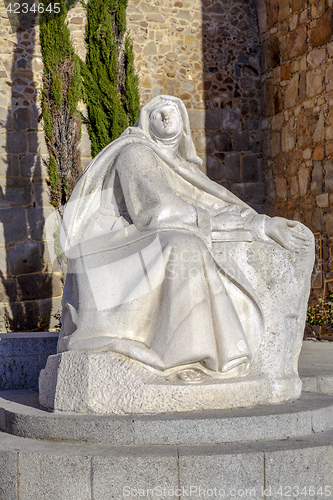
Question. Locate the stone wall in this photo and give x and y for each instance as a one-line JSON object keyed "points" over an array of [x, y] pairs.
{"points": [[207, 53], [297, 64], [30, 285]]}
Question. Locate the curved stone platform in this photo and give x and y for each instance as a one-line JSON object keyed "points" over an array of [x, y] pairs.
{"points": [[21, 416], [264, 452]]}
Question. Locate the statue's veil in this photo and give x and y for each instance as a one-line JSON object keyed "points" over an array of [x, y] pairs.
{"points": [[86, 197]]}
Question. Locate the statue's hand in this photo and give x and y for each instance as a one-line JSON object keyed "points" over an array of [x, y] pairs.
{"points": [[227, 220], [281, 231]]}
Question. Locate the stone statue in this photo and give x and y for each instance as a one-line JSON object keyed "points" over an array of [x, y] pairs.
{"points": [[161, 283]]}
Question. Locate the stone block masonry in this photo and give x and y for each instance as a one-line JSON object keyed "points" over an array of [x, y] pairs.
{"points": [[297, 64], [207, 53]]}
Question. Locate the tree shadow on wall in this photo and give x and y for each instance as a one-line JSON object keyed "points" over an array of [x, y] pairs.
{"points": [[232, 86], [27, 286]]}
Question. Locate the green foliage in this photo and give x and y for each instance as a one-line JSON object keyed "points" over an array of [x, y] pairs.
{"points": [[54, 182], [110, 82], [321, 313], [62, 89]]}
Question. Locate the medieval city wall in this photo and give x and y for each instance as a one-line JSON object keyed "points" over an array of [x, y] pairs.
{"points": [[297, 65]]}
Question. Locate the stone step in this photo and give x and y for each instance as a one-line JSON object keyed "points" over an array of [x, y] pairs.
{"points": [[299, 467], [311, 414]]}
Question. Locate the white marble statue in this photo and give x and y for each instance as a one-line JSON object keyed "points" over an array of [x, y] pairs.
{"points": [[160, 276]]}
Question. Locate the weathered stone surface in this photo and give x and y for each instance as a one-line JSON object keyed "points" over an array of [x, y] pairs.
{"points": [[316, 57], [317, 178], [222, 141], [250, 168], [323, 31], [39, 286], [297, 43], [268, 98], [281, 188], [24, 258], [328, 168], [204, 144], [294, 189], [296, 5], [329, 78], [318, 153], [304, 136], [241, 140], [288, 137], [291, 94], [314, 82], [322, 200], [232, 167], [214, 168], [230, 119], [13, 227], [303, 179], [16, 142], [21, 119]]}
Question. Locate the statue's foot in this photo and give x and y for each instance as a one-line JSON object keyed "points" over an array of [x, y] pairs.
{"points": [[190, 375]]}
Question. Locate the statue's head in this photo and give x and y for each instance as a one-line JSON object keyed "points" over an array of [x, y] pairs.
{"points": [[165, 122], [165, 119]]}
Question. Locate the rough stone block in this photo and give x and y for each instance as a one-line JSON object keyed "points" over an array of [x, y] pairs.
{"points": [[33, 142], [241, 140], [316, 186], [316, 57], [314, 82], [303, 179], [232, 167], [213, 120], [250, 192], [230, 119], [323, 31], [130, 473], [8, 475], [290, 465], [283, 9], [54, 476], [222, 141], [231, 475], [268, 98], [18, 372], [8, 292], [39, 286], [197, 119], [203, 144], [322, 200], [296, 5], [297, 43], [288, 136], [25, 258], [21, 119], [281, 188], [328, 167], [214, 168], [16, 142], [37, 220], [13, 227], [250, 168], [27, 164], [291, 94]]}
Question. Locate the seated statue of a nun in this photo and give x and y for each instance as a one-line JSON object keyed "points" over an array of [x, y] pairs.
{"points": [[165, 266]]}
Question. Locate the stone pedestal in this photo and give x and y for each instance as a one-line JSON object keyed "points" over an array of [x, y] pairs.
{"points": [[110, 383]]}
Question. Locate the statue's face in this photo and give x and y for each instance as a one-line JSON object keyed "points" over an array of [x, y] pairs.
{"points": [[165, 121]]}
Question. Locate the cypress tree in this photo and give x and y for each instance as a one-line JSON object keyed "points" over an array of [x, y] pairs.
{"points": [[61, 92], [110, 81]]}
